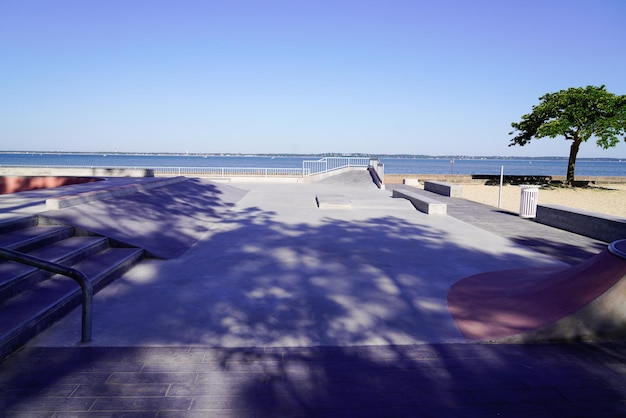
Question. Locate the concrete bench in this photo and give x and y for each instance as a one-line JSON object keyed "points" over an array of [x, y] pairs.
{"points": [[445, 189], [595, 225], [422, 203]]}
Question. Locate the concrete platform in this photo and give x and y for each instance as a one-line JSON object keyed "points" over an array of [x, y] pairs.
{"points": [[271, 306], [274, 270], [333, 201]]}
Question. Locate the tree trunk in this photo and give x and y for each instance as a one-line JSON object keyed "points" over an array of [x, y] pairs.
{"points": [[571, 164]]}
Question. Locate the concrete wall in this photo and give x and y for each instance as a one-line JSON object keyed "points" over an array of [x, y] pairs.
{"points": [[376, 178], [14, 184], [74, 171], [445, 189], [599, 226]]}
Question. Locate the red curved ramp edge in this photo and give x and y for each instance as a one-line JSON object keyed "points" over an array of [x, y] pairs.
{"points": [[583, 302]]}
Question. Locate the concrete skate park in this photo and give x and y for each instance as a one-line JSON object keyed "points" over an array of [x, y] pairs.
{"points": [[332, 266]]}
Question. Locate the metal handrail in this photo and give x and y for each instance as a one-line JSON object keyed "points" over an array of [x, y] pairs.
{"points": [[309, 167], [327, 164], [80, 278], [229, 171]]}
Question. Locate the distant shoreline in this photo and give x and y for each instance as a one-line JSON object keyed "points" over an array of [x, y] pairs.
{"points": [[322, 155], [467, 178]]}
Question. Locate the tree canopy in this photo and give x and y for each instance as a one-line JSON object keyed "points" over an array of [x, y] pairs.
{"points": [[576, 114]]}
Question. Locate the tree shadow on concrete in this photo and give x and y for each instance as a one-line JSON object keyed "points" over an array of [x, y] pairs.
{"points": [[571, 253], [431, 380], [329, 318], [370, 381], [259, 281], [165, 221]]}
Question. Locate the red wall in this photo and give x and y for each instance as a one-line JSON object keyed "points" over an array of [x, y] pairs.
{"points": [[22, 184]]}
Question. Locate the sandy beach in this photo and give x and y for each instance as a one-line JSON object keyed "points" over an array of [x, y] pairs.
{"points": [[603, 198], [607, 199]]}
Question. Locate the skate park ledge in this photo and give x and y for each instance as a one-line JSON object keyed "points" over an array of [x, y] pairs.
{"points": [[595, 225], [444, 189], [424, 204]]}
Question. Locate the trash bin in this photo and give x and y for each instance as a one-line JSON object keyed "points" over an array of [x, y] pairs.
{"points": [[528, 201]]}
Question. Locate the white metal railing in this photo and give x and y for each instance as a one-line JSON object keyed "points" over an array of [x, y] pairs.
{"points": [[180, 171], [309, 167], [227, 171], [325, 164]]}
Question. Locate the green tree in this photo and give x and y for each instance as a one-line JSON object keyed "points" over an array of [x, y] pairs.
{"points": [[576, 114]]}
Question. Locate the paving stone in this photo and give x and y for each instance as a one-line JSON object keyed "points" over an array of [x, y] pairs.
{"points": [[588, 409], [151, 377], [46, 404], [135, 403], [126, 390], [182, 367], [108, 414]]}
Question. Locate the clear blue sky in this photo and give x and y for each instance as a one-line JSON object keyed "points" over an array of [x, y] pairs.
{"points": [[386, 76]]}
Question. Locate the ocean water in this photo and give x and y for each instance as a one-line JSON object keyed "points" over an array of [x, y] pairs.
{"points": [[536, 167], [512, 166]]}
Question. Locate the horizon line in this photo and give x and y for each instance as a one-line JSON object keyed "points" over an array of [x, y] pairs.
{"points": [[321, 155]]}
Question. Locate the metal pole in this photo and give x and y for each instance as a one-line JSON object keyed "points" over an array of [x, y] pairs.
{"points": [[500, 191], [80, 278]]}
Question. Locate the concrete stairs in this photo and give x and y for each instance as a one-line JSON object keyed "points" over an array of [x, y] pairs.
{"points": [[31, 299]]}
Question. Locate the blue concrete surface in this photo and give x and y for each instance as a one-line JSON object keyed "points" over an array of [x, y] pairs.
{"points": [[272, 307]]}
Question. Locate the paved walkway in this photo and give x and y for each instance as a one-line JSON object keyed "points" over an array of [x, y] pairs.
{"points": [[425, 380], [279, 308], [566, 246]]}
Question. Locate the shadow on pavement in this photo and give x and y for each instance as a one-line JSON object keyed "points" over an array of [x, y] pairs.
{"points": [[396, 381], [165, 221], [328, 318], [568, 252]]}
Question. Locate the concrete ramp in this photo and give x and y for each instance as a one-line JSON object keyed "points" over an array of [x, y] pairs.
{"points": [[584, 302], [349, 177], [165, 221]]}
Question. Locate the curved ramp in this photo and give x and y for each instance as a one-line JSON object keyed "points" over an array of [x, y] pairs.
{"points": [[587, 301]]}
